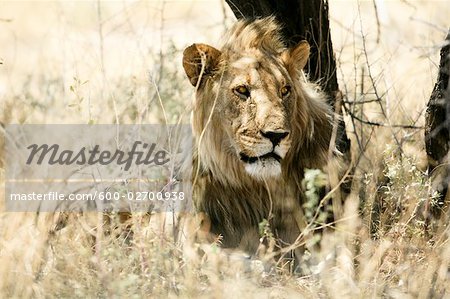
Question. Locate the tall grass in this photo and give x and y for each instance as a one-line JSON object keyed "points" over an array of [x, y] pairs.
{"points": [[383, 245]]}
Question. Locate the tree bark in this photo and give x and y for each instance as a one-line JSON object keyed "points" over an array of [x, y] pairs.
{"points": [[304, 20], [437, 130]]}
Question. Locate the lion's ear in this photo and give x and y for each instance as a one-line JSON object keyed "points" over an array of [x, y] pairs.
{"points": [[296, 57], [200, 60]]}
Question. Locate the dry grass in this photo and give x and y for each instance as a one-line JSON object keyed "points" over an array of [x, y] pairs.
{"points": [[75, 63]]}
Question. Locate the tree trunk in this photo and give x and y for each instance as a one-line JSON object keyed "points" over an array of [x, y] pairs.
{"points": [[437, 130], [304, 20]]}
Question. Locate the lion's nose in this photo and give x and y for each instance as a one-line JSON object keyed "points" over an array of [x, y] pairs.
{"points": [[274, 137]]}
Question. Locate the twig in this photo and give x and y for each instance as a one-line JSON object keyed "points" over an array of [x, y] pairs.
{"points": [[224, 14], [377, 18], [102, 63], [432, 25], [372, 78], [377, 124], [361, 102]]}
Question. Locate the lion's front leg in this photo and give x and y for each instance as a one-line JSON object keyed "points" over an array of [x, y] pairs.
{"points": [[289, 229]]}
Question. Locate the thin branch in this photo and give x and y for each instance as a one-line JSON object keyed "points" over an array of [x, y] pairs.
{"points": [[432, 25], [377, 124], [371, 77], [361, 102], [377, 18]]}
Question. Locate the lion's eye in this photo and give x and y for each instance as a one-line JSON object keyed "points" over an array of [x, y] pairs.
{"points": [[285, 91], [242, 91]]}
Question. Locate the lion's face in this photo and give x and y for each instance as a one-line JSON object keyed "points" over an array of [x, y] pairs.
{"points": [[252, 95], [257, 104]]}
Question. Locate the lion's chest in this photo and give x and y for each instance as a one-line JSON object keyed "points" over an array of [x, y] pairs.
{"points": [[236, 212]]}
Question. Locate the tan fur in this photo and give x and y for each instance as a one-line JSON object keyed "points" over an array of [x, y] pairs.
{"points": [[226, 124]]}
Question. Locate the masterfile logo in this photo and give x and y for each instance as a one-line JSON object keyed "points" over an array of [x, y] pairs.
{"points": [[54, 155], [97, 167]]}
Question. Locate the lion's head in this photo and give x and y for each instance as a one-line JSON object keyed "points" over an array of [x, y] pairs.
{"points": [[255, 116]]}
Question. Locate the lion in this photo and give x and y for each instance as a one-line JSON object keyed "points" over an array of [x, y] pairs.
{"points": [[257, 124]]}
